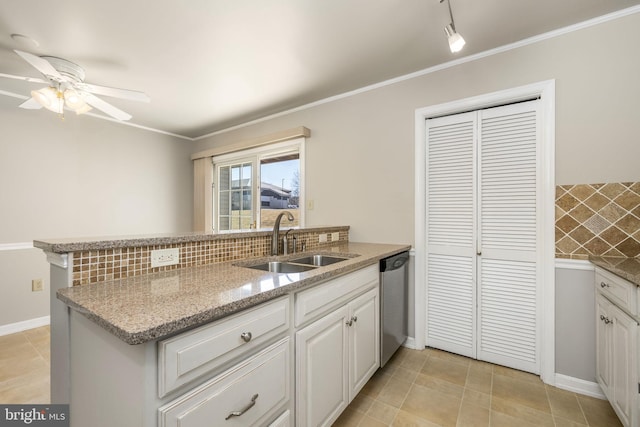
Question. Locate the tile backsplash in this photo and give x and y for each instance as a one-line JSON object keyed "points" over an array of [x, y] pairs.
{"points": [[93, 266], [598, 219]]}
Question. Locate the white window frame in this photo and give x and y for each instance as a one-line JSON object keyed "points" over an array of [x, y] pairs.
{"points": [[255, 155]]}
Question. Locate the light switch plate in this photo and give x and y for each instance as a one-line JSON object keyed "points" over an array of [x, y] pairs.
{"points": [[163, 257]]}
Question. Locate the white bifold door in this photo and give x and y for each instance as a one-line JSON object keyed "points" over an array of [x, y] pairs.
{"points": [[483, 228]]}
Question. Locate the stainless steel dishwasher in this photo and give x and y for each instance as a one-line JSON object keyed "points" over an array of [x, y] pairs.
{"points": [[393, 304]]}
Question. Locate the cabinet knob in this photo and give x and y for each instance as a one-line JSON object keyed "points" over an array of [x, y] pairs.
{"points": [[350, 321], [245, 409], [246, 336], [604, 285], [354, 318]]}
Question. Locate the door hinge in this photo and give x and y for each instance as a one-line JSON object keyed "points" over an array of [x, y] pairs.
{"points": [[638, 388]]}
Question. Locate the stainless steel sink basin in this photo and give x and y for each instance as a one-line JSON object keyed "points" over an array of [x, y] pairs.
{"points": [[281, 267], [318, 260]]}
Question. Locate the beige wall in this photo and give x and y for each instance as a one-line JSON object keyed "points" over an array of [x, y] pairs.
{"points": [[360, 164], [80, 177]]}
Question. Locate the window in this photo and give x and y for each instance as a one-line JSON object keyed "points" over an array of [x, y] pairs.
{"points": [[251, 187]]}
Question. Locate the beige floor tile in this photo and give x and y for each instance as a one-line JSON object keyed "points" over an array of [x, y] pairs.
{"points": [[479, 379], [563, 422], [373, 387], [17, 367], [476, 398], [521, 412], [382, 412], [445, 355], [371, 422], [414, 361], [442, 386], [598, 413], [514, 373], [564, 404], [349, 418], [432, 405], [404, 374], [32, 388], [405, 419], [472, 416], [394, 392], [447, 370], [499, 419], [523, 392], [361, 403]]}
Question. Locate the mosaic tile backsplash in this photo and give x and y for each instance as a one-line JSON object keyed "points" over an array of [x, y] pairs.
{"points": [[110, 264], [598, 219]]}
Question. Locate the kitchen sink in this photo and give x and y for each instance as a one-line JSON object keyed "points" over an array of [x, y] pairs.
{"points": [[281, 267], [319, 260]]}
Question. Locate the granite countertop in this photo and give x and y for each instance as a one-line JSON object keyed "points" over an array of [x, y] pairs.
{"points": [[627, 268], [153, 306]]}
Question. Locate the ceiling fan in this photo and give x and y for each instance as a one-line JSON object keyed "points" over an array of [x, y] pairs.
{"points": [[66, 88]]}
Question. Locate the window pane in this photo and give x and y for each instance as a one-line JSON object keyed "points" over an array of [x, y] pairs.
{"points": [[234, 200], [279, 189]]}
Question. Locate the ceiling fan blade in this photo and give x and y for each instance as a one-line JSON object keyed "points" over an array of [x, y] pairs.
{"points": [[131, 95], [40, 64], [30, 104], [105, 107], [26, 79]]}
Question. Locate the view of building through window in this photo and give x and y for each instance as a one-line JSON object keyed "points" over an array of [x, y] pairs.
{"points": [[279, 189]]}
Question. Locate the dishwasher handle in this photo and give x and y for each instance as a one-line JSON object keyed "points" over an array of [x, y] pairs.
{"points": [[394, 262]]}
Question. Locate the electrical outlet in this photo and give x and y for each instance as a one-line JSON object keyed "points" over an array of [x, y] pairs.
{"points": [[322, 238], [36, 285], [162, 257], [335, 236]]}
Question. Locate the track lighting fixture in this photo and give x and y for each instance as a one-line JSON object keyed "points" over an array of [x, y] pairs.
{"points": [[456, 42]]}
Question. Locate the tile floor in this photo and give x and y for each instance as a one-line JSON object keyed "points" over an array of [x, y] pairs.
{"points": [[24, 367], [436, 388], [416, 388]]}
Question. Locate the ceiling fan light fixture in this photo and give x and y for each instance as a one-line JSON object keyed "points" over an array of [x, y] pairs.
{"points": [[49, 98], [74, 101], [84, 109], [456, 41]]}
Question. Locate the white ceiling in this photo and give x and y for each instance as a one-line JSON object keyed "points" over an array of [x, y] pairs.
{"points": [[211, 64]]}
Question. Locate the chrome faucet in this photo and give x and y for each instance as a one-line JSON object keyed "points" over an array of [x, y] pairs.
{"points": [[276, 231]]}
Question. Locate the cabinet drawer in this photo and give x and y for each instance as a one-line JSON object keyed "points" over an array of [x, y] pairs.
{"points": [[187, 356], [257, 389], [621, 292], [326, 296]]}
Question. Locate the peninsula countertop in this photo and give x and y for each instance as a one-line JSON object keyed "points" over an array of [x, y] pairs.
{"points": [[627, 268], [153, 306]]}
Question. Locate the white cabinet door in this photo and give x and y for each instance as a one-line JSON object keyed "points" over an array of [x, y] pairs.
{"points": [[364, 340], [603, 344], [322, 370], [624, 332]]}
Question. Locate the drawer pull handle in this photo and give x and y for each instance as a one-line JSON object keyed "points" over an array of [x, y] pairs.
{"points": [[246, 336], [245, 409], [604, 285]]}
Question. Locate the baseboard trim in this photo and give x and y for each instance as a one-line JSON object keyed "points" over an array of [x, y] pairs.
{"points": [[410, 342], [12, 328], [577, 385]]}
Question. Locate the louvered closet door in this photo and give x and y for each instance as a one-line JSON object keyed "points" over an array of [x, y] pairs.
{"points": [[451, 263], [508, 267]]}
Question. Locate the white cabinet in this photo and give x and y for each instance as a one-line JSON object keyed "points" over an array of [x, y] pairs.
{"points": [[617, 345], [248, 394], [337, 353]]}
